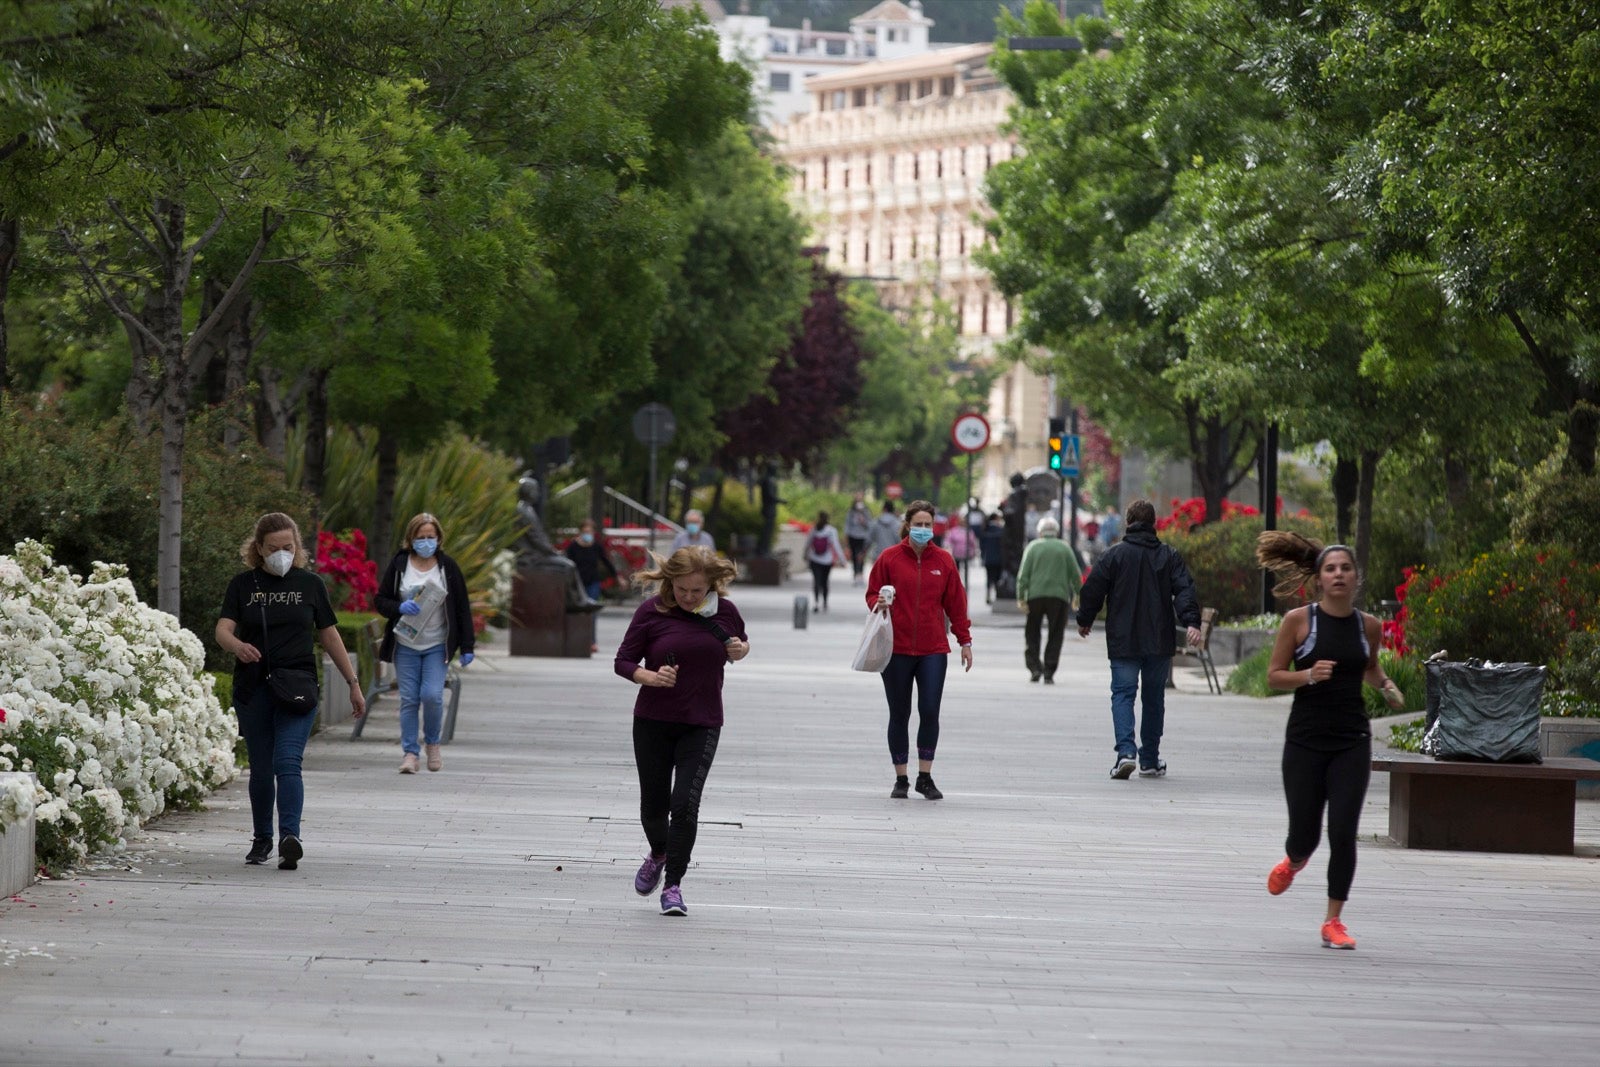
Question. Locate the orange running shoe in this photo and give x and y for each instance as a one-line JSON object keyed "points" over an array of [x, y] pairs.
{"points": [[1334, 935], [1281, 877]]}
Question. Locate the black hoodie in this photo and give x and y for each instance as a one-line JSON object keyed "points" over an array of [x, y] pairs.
{"points": [[1150, 594]]}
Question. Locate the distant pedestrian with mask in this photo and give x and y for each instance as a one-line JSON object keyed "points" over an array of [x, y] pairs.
{"points": [[1046, 586], [270, 614], [588, 553], [823, 553], [1324, 652], [423, 594], [679, 643], [917, 584], [694, 533], [1147, 592], [857, 526]]}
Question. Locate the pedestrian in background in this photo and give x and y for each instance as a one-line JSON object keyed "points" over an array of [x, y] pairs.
{"points": [[1324, 651], [1046, 586], [694, 533], [1143, 584], [823, 553], [424, 596], [992, 548], [270, 614], [917, 583], [677, 646], [588, 553], [885, 530], [857, 525]]}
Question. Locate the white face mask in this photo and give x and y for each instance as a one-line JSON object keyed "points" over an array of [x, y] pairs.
{"points": [[279, 562], [708, 606]]}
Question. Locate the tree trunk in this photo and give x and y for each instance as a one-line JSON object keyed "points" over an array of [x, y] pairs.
{"points": [[1457, 480], [380, 539], [1215, 445], [1368, 479], [314, 475], [238, 349], [169, 544], [1583, 432], [272, 411], [10, 238], [1346, 482]]}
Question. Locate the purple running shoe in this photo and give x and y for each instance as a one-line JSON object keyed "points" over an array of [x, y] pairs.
{"points": [[672, 901], [649, 876]]}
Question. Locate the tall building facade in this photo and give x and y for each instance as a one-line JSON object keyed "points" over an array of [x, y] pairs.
{"points": [[889, 165]]}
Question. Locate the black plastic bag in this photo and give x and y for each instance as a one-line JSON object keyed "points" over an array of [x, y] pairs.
{"points": [[1483, 711]]}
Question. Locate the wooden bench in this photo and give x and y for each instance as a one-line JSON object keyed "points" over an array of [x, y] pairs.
{"points": [[383, 682], [1484, 807]]}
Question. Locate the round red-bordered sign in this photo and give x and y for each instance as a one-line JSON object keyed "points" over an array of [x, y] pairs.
{"points": [[970, 432]]}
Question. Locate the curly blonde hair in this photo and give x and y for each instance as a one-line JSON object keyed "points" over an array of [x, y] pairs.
{"points": [[270, 523], [682, 563], [1296, 559]]}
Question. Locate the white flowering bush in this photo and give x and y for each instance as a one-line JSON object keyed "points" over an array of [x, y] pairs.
{"points": [[104, 699]]}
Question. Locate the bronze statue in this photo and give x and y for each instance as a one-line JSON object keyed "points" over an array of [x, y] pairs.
{"points": [[536, 552]]}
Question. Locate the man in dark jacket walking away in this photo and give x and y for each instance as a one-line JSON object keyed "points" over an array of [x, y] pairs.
{"points": [[1149, 591]]}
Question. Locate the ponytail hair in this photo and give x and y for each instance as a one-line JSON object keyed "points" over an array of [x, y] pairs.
{"points": [[1294, 558]]}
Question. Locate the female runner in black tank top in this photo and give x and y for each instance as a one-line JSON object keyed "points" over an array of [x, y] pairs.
{"points": [[1324, 652]]}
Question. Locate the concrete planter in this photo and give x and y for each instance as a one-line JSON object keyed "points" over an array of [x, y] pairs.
{"points": [[18, 866], [1229, 645], [336, 707], [1573, 737]]}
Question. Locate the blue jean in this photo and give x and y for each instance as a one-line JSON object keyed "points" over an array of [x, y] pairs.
{"points": [[1146, 675], [420, 679], [928, 673], [275, 736], [593, 589]]}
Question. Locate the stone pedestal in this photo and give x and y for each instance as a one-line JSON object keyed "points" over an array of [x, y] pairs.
{"points": [[541, 625], [1572, 737], [335, 708], [18, 866], [764, 570]]}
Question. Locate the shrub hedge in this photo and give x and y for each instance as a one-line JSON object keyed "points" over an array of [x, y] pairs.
{"points": [[1222, 558]]}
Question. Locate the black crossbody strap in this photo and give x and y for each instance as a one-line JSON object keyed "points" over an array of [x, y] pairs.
{"points": [[266, 663], [710, 624]]}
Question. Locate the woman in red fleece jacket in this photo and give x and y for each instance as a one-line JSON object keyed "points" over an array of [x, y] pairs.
{"points": [[926, 590]]}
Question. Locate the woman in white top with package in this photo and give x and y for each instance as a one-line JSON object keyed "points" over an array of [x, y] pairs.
{"points": [[424, 597]]}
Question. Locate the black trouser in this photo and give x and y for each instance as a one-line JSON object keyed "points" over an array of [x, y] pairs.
{"points": [[1313, 780], [928, 673], [992, 572], [820, 573], [1041, 609], [858, 554], [674, 759]]}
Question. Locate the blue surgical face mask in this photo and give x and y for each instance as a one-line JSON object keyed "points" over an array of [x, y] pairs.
{"points": [[586, 539], [921, 535], [425, 546], [692, 527]]}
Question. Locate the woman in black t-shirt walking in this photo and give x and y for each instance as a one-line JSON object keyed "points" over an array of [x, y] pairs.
{"points": [[269, 615], [1324, 652]]}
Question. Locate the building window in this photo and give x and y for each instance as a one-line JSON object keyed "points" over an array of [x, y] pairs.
{"points": [[1008, 316], [869, 174], [778, 81], [988, 158], [838, 100], [961, 153], [913, 246], [916, 167], [824, 172], [961, 242], [924, 88], [866, 251], [983, 322], [947, 87], [844, 174], [938, 164], [891, 248], [938, 244], [902, 92], [859, 98]]}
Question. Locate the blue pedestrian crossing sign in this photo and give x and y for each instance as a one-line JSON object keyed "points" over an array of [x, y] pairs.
{"points": [[1070, 452]]}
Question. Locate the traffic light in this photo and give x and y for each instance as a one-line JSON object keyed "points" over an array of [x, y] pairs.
{"points": [[1056, 442]]}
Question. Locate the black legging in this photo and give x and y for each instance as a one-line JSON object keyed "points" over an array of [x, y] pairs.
{"points": [[858, 554], [928, 673], [674, 759], [1312, 780], [820, 573]]}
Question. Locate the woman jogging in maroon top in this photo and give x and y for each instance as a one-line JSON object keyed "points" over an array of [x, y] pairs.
{"points": [[675, 650]]}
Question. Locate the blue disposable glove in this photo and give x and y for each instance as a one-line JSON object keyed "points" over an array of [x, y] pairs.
{"points": [[409, 607], [466, 658]]}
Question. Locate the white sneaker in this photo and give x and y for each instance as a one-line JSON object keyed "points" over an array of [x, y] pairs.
{"points": [[1123, 769]]}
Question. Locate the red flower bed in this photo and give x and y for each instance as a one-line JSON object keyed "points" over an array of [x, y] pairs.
{"points": [[352, 577]]}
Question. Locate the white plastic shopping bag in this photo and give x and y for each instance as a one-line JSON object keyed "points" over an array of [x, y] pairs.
{"points": [[877, 638]]}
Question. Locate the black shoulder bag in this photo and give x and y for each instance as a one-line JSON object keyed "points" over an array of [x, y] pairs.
{"points": [[294, 686]]}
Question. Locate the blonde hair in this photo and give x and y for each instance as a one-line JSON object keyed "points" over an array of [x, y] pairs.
{"points": [[682, 563], [1295, 558], [418, 521], [270, 523]]}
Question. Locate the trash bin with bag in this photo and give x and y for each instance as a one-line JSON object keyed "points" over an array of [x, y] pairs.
{"points": [[1483, 711]]}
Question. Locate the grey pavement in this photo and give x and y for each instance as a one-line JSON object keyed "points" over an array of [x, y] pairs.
{"points": [[1041, 913]]}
